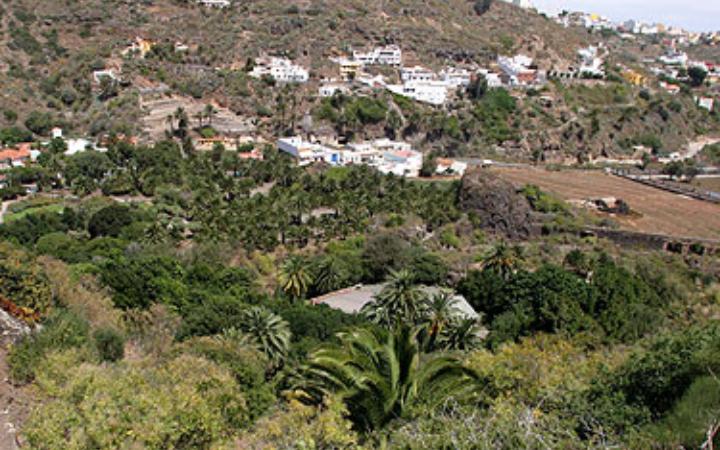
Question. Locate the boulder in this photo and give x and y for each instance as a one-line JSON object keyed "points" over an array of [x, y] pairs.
{"points": [[496, 204]]}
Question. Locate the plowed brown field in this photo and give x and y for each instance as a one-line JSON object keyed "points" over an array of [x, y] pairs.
{"points": [[662, 212]]}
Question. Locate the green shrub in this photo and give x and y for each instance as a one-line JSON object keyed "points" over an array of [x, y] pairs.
{"points": [[62, 330], [187, 402], [110, 344]]}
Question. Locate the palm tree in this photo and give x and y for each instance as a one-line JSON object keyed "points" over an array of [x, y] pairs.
{"points": [[382, 378], [401, 301], [268, 331], [210, 112], [182, 119], [329, 275], [463, 333], [440, 312], [503, 260], [295, 279], [199, 116]]}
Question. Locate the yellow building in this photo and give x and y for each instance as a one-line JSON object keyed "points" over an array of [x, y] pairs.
{"points": [[634, 77], [349, 69]]}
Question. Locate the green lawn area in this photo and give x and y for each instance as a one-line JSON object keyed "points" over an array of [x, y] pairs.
{"points": [[10, 217]]}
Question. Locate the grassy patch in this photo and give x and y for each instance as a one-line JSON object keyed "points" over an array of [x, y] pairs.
{"points": [[56, 208]]}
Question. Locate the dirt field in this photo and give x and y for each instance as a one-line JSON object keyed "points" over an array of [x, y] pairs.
{"points": [[712, 184], [662, 212]]}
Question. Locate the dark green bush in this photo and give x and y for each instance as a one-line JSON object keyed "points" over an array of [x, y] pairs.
{"points": [[110, 344]]}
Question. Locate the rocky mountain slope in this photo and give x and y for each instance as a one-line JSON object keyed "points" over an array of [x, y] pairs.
{"points": [[49, 50]]}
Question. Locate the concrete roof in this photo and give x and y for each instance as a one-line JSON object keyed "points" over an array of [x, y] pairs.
{"points": [[351, 300]]}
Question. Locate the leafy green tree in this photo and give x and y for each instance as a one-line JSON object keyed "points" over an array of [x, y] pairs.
{"points": [[14, 135], [39, 122], [108, 88], [384, 253], [482, 6], [697, 76], [479, 85], [382, 378], [110, 221], [84, 171]]}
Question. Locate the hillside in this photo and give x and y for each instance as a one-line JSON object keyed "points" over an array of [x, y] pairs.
{"points": [[50, 49]]}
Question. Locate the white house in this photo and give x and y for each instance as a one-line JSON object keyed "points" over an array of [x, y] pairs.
{"points": [[673, 58], [305, 152], [214, 3], [387, 156], [518, 69], [432, 92], [450, 166], [281, 70], [390, 55], [525, 4], [492, 78], [455, 77], [590, 62], [705, 102], [417, 73]]}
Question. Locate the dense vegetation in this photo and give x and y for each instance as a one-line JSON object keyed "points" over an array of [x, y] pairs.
{"points": [[175, 295], [173, 290]]}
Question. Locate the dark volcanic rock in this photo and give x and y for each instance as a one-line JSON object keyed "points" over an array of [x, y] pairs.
{"points": [[496, 203]]}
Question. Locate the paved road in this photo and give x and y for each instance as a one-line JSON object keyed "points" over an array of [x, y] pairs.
{"points": [[4, 208]]}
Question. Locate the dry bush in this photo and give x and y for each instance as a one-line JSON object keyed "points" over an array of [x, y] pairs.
{"points": [[82, 296]]}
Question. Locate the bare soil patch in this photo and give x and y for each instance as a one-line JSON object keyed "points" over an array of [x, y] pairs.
{"points": [[661, 212]]}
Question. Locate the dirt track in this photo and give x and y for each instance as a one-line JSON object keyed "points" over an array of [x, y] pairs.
{"points": [[662, 212]]}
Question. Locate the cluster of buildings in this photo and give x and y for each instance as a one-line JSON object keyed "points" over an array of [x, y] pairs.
{"points": [[281, 70], [386, 155], [426, 86], [630, 27], [19, 155], [416, 82]]}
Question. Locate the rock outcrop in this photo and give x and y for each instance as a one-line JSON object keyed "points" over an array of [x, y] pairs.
{"points": [[496, 204]]}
